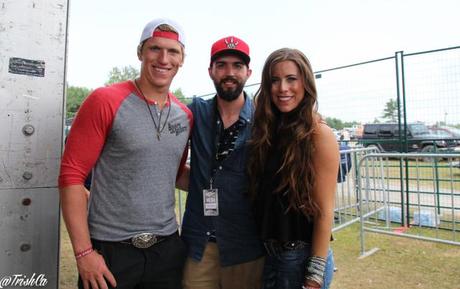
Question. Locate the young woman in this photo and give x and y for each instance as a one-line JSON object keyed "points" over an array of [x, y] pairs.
{"points": [[293, 168]]}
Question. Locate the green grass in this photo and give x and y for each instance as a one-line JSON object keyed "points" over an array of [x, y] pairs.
{"points": [[67, 268], [399, 263]]}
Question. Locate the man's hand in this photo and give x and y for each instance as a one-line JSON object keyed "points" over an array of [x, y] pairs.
{"points": [[94, 272]]}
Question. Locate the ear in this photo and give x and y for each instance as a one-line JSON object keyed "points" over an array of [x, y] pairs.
{"points": [[249, 72], [139, 52]]}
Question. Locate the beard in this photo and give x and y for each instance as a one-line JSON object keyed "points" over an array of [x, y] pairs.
{"points": [[230, 94]]}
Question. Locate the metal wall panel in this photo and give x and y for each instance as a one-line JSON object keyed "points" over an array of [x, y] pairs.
{"points": [[29, 239], [33, 36]]}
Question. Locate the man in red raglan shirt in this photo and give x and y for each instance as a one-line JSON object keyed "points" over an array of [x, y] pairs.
{"points": [[133, 136]]}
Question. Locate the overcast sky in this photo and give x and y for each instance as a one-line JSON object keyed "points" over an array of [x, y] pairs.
{"points": [[104, 33]]}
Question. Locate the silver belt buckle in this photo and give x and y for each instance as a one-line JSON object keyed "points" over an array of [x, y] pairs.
{"points": [[143, 240]]}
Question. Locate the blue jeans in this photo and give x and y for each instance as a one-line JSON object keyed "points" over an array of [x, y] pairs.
{"points": [[286, 269]]}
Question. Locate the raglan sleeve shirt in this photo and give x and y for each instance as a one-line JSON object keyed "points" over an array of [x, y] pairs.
{"points": [[87, 136]]}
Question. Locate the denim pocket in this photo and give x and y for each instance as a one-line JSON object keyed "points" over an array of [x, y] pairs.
{"points": [[286, 269], [293, 257]]}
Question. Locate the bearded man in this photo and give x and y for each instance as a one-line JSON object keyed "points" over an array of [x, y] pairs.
{"points": [[224, 250]]}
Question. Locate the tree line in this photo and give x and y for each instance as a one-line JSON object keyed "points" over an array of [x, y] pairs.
{"points": [[77, 94]]}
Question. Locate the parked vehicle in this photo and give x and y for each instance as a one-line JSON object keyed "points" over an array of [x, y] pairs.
{"points": [[356, 131], [446, 131], [445, 135], [336, 134], [68, 124], [386, 137]]}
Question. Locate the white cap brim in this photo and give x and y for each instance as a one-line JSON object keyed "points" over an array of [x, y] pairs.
{"points": [[152, 25]]}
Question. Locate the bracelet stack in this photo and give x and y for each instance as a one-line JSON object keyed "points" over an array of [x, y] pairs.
{"points": [[83, 253], [309, 287], [316, 266]]}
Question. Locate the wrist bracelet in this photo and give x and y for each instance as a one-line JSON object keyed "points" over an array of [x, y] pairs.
{"points": [[83, 253], [316, 267]]}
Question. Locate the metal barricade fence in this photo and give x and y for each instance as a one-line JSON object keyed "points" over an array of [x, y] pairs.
{"points": [[346, 210], [410, 195], [396, 194], [347, 202]]}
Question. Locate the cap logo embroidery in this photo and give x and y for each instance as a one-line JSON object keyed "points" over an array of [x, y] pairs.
{"points": [[232, 44]]}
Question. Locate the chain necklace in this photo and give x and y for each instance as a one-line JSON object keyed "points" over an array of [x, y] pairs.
{"points": [[158, 128]]}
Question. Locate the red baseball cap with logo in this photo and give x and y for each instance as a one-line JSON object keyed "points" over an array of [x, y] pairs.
{"points": [[230, 45]]}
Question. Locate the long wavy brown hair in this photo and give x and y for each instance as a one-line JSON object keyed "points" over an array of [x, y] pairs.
{"points": [[293, 131]]}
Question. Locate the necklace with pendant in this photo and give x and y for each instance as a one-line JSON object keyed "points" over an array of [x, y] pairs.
{"points": [[158, 128]]}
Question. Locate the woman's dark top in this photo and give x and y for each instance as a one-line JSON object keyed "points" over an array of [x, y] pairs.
{"points": [[274, 220]]}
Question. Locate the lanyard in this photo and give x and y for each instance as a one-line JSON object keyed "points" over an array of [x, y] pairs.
{"points": [[216, 132]]}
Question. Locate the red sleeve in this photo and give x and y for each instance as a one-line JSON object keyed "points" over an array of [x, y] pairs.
{"points": [[190, 120], [88, 133]]}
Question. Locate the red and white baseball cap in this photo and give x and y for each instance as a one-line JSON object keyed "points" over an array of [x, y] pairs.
{"points": [[149, 30], [230, 45]]}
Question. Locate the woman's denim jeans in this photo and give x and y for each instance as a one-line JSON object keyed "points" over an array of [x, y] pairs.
{"points": [[286, 269]]}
